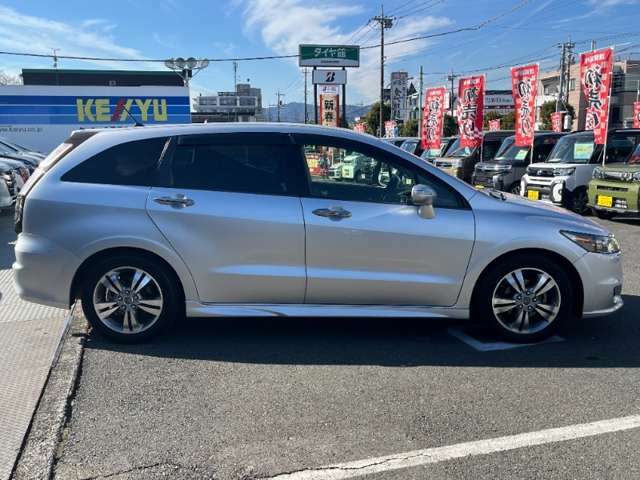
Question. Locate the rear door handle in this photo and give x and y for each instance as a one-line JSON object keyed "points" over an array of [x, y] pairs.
{"points": [[334, 213], [178, 201]]}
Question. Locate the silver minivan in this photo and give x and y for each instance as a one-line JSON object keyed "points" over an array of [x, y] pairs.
{"points": [[147, 225]]}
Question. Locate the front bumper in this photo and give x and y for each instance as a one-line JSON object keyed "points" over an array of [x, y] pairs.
{"points": [[546, 189], [602, 283], [43, 271], [623, 196]]}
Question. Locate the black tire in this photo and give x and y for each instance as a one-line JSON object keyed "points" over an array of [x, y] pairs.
{"points": [[482, 308], [603, 214], [515, 188], [579, 200], [172, 303]]}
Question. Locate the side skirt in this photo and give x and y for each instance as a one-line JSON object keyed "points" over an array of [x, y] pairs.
{"points": [[195, 309]]}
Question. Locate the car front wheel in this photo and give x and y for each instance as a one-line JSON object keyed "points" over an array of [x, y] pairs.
{"points": [[129, 298], [525, 298]]}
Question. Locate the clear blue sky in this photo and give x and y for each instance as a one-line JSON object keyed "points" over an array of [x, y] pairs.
{"points": [[227, 28]]}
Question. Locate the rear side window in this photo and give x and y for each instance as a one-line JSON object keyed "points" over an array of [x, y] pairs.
{"points": [[244, 168], [130, 163]]}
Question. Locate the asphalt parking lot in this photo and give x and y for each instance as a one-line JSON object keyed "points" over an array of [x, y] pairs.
{"points": [[255, 398]]}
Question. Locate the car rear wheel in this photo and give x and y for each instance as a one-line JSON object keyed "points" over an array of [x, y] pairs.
{"points": [[515, 188], [525, 298], [129, 298]]}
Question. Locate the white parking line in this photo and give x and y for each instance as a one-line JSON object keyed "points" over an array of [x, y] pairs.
{"points": [[460, 450], [497, 345]]}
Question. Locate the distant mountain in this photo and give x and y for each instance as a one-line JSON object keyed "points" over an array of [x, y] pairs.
{"points": [[294, 112]]}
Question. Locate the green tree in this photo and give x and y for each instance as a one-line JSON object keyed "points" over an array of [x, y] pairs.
{"points": [[373, 117], [450, 128], [547, 109], [409, 129], [508, 121]]}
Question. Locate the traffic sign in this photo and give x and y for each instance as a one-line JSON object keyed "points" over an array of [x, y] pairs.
{"points": [[330, 77], [329, 55]]}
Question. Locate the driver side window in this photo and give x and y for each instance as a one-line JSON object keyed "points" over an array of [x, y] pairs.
{"points": [[342, 173]]}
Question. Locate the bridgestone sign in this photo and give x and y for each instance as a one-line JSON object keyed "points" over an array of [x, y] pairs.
{"points": [[330, 77], [329, 56]]}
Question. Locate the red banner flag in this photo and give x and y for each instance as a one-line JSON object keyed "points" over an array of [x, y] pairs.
{"points": [[433, 118], [636, 114], [470, 110], [494, 125], [524, 87], [360, 127], [595, 77], [556, 121], [390, 128]]}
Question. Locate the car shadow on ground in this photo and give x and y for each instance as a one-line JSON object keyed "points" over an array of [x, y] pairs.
{"points": [[608, 342]]}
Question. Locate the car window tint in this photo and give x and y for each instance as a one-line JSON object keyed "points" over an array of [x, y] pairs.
{"points": [[490, 148], [259, 169], [351, 175], [619, 148], [129, 163]]}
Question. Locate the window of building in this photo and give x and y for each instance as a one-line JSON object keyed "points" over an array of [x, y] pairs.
{"points": [[130, 163]]}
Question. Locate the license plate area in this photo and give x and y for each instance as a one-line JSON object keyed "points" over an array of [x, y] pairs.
{"points": [[533, 194], [605, 201]]}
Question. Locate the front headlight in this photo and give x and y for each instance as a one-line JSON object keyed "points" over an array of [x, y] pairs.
{"points": [[564, 171], [636, 177], [594, 243], [597, 173]]}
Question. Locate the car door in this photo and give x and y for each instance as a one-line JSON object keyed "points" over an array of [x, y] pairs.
{"points": [[229, 204], [366, 243]]}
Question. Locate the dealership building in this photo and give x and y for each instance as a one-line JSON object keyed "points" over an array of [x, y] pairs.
{"points": [[52, 103]]}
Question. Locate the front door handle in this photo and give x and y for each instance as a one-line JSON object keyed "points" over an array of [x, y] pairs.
{"points": [[178, 201], [334, 213]]}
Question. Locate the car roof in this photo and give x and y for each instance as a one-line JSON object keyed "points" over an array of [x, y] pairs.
{"points": [[125, 134]]}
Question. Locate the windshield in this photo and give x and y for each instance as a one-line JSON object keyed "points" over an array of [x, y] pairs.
{"points": [[457, 151], [409, 146], [509, 151], [572, 149]]}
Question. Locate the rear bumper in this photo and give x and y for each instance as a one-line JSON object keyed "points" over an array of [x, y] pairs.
{"points": [[602, 282], [43, 271]]}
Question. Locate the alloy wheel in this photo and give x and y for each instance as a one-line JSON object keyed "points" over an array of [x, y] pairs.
{"points": [[127, 300], [526, 300]]}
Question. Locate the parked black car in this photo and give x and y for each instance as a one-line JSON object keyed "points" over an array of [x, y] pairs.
{"points": [[505, 170]]}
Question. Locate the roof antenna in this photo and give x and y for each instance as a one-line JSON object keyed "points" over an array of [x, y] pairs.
{"points": [[122, 105]]}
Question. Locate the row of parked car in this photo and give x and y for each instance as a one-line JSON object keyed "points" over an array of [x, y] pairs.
{"points": [[567, 169], [16, 165]]}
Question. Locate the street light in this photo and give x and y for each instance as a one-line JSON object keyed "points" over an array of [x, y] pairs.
{"points": [[185, 68]]}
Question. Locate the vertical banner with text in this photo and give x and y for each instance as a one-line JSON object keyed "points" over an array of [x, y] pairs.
{"points": [[595, 77], [433, 118], [390, 128], [329, 110], [556, 121], [494, 125], [470, 110], [524, 87], [636, 114]]}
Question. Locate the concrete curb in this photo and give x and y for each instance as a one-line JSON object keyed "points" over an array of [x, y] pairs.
{"points": [[37, 457]]}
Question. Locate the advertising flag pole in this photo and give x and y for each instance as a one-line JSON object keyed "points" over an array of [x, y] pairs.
{"points": [[533, 137], [606, 132]]}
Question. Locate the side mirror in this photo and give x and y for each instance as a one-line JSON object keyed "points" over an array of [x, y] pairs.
{"points": [[424, 197]]}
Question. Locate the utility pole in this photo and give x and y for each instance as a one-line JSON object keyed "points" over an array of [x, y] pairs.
{"points": [[565, 74], [279, 103], [235, 87], [451, 78], [420, 101], [385, 22], [306, 117]]}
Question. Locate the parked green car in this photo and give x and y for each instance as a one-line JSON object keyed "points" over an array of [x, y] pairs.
{"points": [[615, 188]]}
